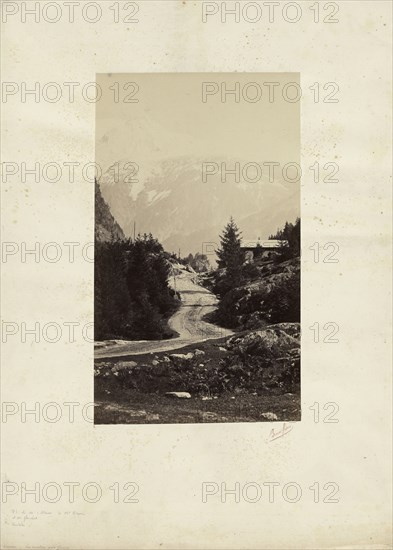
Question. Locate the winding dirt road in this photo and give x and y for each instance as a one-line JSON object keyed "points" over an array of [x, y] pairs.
{"points": [[187, 321]]}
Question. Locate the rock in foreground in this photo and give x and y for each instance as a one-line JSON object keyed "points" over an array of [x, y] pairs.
{"points": [[178, 394], [272, 342], [187, 356], [269, 416]]}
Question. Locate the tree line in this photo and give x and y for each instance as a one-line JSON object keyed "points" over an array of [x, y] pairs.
{"points": [[132, 296], [290, 234]]}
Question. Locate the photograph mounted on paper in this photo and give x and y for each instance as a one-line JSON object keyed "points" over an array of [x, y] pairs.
{"points": [[197, 248]]}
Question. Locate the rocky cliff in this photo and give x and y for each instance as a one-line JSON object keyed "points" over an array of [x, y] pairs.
{"points": [[106, 228]]}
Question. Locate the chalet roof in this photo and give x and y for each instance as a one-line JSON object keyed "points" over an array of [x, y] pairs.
{"points": [[268, 243]]}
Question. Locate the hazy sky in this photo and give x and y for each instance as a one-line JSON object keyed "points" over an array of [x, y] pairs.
{"points": [[171, 120]]}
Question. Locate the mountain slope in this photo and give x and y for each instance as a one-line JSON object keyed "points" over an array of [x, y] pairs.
{"points": [[106, 228], [170, 200]]}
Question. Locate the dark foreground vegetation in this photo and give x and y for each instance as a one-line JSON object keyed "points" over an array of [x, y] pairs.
{"points": [[132, 296], [251, 377]]}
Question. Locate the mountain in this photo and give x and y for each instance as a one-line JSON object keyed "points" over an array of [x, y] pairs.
{"points": [[106, 227], [170, 200]]}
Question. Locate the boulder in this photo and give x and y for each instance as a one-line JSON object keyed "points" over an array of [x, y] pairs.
{"points": [[124, 365], [199, 352], [132, 412], [269, 343], [184, 356], [150, 417], [178, 394], [269, 416]]}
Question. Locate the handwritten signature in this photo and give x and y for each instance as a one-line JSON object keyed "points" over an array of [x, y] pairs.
{"points": [[280, 433]]}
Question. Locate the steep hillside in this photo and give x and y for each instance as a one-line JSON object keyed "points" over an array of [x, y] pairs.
{"points": [[106, 228], [270, 293]]}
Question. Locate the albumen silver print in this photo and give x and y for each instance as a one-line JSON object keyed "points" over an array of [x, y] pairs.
{"points": [[197, 248]]}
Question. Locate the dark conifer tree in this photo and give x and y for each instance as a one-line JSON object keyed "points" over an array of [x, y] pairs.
{"points": [[230, 253], [230, 256]]}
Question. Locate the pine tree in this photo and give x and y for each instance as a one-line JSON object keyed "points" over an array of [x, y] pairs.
{"points": [[230, 253], [291, 234], [230, 257]]}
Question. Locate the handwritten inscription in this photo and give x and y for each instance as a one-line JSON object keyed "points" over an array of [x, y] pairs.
{"points": [[275, 434]]}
